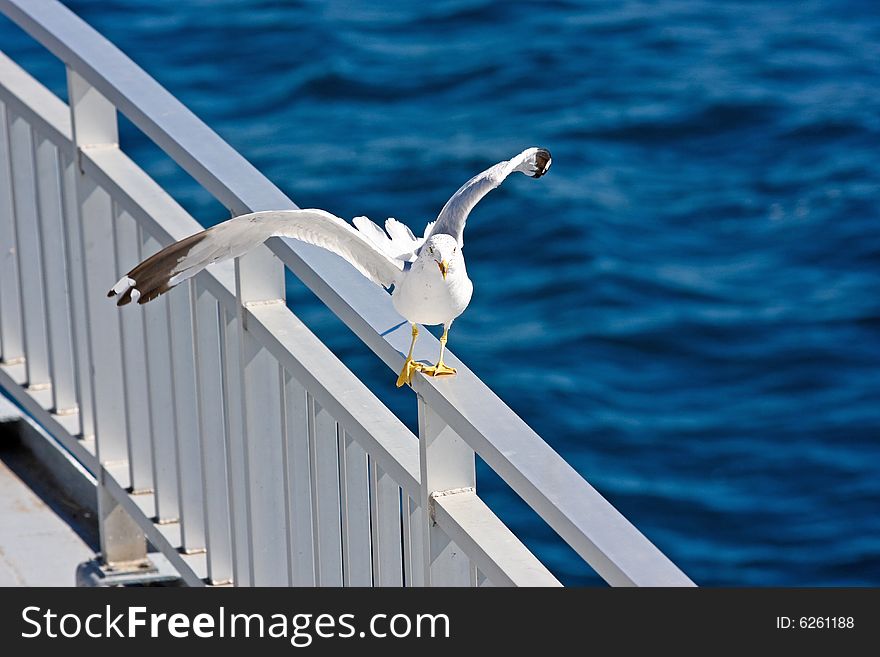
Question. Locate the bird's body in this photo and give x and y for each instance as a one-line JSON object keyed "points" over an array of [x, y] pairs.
{"points": [[427, 275], [425, 296]]}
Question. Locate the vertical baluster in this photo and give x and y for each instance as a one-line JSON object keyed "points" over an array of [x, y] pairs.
{"points": [[324, 437], [137, 400], [406, 533], [212, 417], [413, 548], [387, 556], [30, 273], [298, 484], [236, 455], [93, 119], [56, 294], [102, 322], [262, 390], [161, 394], [186, 408], [11, 344], [94, 123], [355, 494], [447, 464], [76, 285]]}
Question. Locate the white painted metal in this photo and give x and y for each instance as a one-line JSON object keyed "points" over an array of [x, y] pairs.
{"points": [[355, 505], [56, 290], [263, 398], [236, 455], [283, 495], [337, 390], [105, 373], [129, 241], [11, 343], [93, 125], [298, 485], [102, 323], [27, 239], [326, 514], [386, 518], [42, 109], [413, 542], [447, 466], [72, 237], [496, 553], [186, 411], [93, 116], [163, 427], [212, 415], [259, 279]]}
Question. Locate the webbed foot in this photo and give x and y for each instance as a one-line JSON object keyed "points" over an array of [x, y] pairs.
{"points": [[410, 366], [440, 369]]}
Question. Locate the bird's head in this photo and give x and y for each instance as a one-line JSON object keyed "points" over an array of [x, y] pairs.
{"points": [[443, 250]]}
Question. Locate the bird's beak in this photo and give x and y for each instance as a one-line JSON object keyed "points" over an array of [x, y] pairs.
{"points": [[444, 268]]}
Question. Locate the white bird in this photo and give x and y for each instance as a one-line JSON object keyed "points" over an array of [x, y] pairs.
{"points": [[428, 276]]}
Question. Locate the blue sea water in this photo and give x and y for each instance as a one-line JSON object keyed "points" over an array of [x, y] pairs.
{"points": [[686, 307]]}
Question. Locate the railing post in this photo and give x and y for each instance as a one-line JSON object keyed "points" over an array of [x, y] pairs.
{"points": [[259, 278], [93, 119], [447, 467]]}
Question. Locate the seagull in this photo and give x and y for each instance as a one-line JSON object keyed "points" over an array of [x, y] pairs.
{"points": [[427, 275]]}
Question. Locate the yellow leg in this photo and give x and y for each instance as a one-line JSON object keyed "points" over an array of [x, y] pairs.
{"points": [[409, 366], [440, 368]]}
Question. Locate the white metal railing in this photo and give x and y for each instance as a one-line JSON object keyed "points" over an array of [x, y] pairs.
{"points": [[218, 427]]}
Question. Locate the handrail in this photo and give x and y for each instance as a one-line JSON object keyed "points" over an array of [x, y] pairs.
{"points": [[581, 516]]}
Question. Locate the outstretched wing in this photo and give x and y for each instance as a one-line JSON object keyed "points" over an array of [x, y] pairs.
{"points": [[533, 162], [235, 237]]}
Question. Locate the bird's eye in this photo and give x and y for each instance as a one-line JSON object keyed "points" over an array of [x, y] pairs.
{"points": [[431, 250]]}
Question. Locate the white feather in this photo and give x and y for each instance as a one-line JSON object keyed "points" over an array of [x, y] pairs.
{"points": [[396, 241], [332, 233], [372, 232], [123, 284], [452, 217]]}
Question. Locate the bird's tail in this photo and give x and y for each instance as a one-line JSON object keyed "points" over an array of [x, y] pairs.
{"points": [[396, 241]]}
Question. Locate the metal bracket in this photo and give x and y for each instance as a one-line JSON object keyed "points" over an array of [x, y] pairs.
{"points": [[136, 573]]}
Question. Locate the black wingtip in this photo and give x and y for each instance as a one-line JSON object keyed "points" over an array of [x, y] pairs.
{"points": [[154, 274], [148, 295], [542, 162]]}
